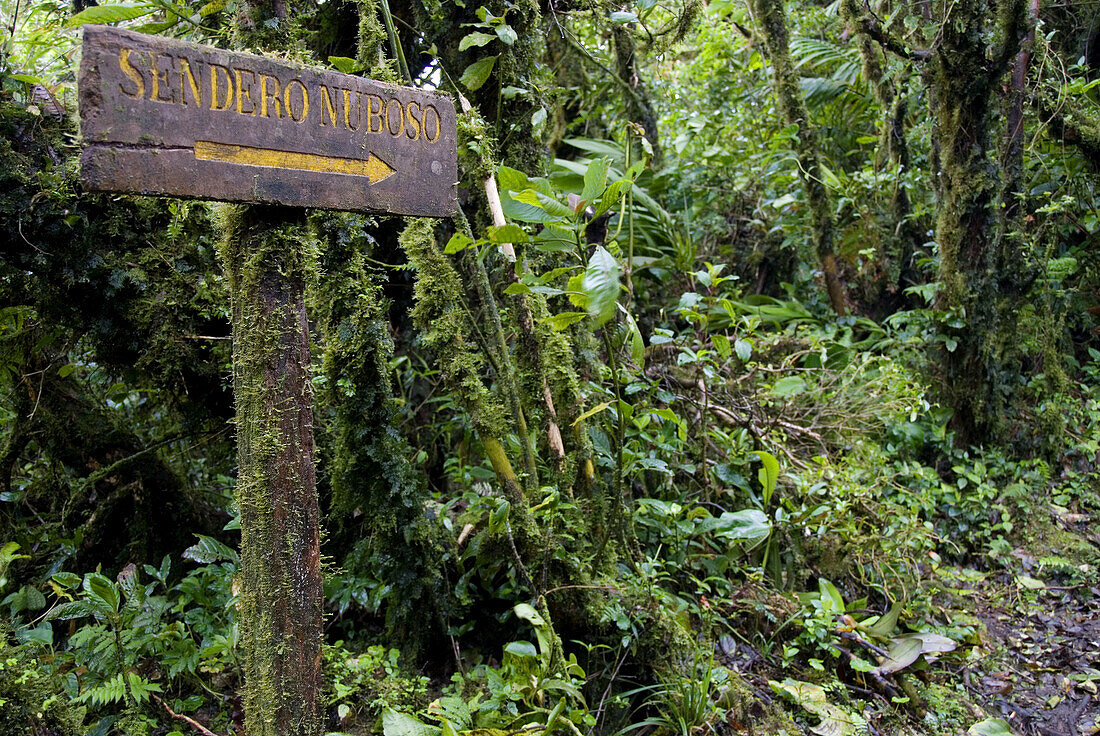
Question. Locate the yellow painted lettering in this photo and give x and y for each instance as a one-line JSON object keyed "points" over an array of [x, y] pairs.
{"points": [[160, 77], [304, 102], [412, 130], [373, 114], [358, 110], [189, 77], [214, 104], [400, 118], [326, 105], [135, 76], [438, 124], [273, 95], [244, 93]]}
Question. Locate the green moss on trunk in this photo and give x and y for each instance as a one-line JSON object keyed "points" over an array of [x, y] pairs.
{"points": [[264, 257]]}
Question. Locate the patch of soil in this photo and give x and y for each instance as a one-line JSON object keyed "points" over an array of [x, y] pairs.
{"points": [[1045, 673]]}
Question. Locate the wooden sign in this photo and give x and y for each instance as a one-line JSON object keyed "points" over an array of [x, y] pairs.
{"points": [[160, 116]]}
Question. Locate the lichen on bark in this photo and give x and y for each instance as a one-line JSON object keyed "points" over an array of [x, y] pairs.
{"points": [[265, 257]]}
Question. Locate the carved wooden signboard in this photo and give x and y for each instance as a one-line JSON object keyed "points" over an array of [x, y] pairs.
{"points": [[160, 116]]}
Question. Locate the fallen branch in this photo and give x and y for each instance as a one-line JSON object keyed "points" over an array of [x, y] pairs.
{"points": [[190, 721]]}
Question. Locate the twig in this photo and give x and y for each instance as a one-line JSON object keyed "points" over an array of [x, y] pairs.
{"points": [[193, 723]]}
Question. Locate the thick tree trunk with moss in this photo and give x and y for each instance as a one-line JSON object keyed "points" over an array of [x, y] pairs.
{"points": [[281, 600], [980, 266], [772, 20]]}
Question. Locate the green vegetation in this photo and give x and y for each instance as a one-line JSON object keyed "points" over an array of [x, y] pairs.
{"points": [[765, 400]]}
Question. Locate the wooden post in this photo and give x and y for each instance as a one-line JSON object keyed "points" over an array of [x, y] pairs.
{"points": [[280, 599]]}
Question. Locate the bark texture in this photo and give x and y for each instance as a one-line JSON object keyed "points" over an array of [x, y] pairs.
{"points": [[772, 20], [281, 600]]}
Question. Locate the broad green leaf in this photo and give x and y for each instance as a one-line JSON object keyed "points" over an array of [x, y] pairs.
{"points": [[835, 721], [562, 320], [536, 198], [595, 179], [517, 288], [829, 592], [612, 195], [399, 724], [788, 386], [507, 234], [41, 634], [624, 16], [521, 649], [27, 598], [458, 243], [478, 73], [990, 727], [888, 622], [506, 34], [722, 345], [75, 609], [67, 579], [747, 525], [499, 516], [99, 587], [346, 64], [208, 550], [511, 180], [102, 14], [900, 655], [477, 38], [601, 285], [527, 612]]}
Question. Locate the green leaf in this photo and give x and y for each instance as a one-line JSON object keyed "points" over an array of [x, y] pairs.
{"points": [[624, 16], [41, 634], [562, 320], [346, 65], [458, 243], [601, 285], [615, 192], [511, 180], [595, 179], [835, 721], [27, 598], [517, 288], [100, 588], [545, 202], [67, 579], [477, 38], [830, 593], [721, 345], [506, 34], [478, 73], [900, 655], [591, 412], [768, 475], [990, 727], [888, 622], [499, 516], [748, 525], [71, 610], [399, 724], [788, 386], [507, 234], [25, 78], [208, 550], [521, 649], [110, 14]]}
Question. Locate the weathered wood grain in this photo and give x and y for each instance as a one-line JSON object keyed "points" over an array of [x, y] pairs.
{"points": [[160, 116]]}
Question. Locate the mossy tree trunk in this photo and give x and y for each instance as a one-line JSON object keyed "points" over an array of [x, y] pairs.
{"points": [[281, 600], [771, 18], [981, 267]]}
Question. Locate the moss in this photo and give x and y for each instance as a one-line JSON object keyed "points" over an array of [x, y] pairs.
{"points": [[369, 466], [30, 702], [266, 259]]}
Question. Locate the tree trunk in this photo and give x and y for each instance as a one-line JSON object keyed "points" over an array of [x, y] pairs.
{"points": [[281, 599], [772, 19], [978, 268]]}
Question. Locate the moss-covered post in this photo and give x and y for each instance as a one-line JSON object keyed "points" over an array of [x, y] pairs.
{"points": [[280, 601]]}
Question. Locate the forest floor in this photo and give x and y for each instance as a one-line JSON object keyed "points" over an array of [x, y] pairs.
{"points": [[1038, 662]]}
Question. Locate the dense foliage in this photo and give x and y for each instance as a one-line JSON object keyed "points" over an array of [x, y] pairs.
{"points": [[767, 401]]}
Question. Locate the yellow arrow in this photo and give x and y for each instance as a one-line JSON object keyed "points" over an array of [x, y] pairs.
{"points": [[374, 168]]}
